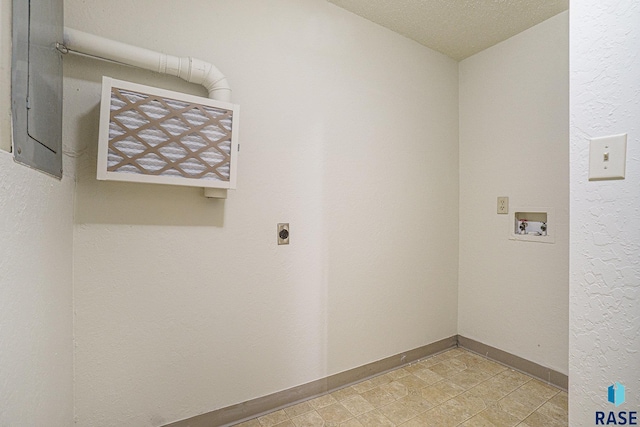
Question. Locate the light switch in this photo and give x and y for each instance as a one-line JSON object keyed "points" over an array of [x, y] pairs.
{"points": [[607, 157]]}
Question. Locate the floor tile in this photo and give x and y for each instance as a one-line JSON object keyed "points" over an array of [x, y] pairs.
{"points": [[453, 388], [273, 418], [335, 413], [250, 423], [415, 422], [561, 400], [299, 409], [518, 407], [414, 383], [363, 386], [540, 389], [322, 401], [441, 392], [310, 419], [375, 419], [428, 376], [539, 420], [416, 403], [357, 405], [378, 397], [498, 418], [396, 389], [554, 412], [398, 373], [344, 393], [398, 412], [477, 421]]}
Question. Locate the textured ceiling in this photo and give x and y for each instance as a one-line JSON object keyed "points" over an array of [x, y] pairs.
{"points": [[457, 28]]}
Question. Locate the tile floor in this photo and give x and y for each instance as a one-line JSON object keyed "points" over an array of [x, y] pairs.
{"points": [[454, 388]]}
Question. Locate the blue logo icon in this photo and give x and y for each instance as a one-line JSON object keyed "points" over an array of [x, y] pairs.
{"points": [[616, 394]]}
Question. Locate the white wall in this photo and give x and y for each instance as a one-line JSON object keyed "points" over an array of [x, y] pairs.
{"points": [[605, 237], [36, 229], [349, 132], [514, 137]]}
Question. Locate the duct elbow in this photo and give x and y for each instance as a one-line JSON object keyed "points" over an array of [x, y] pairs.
{"points": [[220, 90], [207, 75], [217, 85]]}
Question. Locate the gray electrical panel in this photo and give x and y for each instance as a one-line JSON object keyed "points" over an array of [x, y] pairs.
{"points": [[36, 84]]}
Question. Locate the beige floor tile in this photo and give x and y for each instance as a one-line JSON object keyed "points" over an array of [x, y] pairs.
{"points": [[299, 409], [322, 401], [335, 413], [469, 378], [398, 373], [375, 419], [555, 412], [433, 360], [378, 397], [395, 389], [477, 421], [344, 393], [561, 400], [273, 418], [380, 380], [519, 408], [453, 388], [310, 419], [488, 392], [442, 416], [472, 403], [412, 382], [363, 386], [398, 412], [352, 423], [498, 417], [416, 403], [448, 368], [415, 367], [428, 376], [540, 389], [416, 422], [491, 367], [510, 379], [538, 420], [454, 352], [250, 423], [441, 392], [527, 396], [497, 387], [357, 405], [470, 359]]}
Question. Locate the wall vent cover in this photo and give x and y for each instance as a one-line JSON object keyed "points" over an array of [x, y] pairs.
{"points": [[157, 136]]}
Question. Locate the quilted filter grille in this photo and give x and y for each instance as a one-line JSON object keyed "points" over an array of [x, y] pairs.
{"points": [[154, 135]]}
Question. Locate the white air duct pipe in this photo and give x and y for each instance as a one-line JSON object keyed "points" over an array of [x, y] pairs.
{"points": [[190, 69]]}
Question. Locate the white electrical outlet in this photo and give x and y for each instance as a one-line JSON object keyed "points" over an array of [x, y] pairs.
{"points": [[503, 205]]}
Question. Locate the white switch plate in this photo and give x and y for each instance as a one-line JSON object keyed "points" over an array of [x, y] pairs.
{"points": [[607, 157]]}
